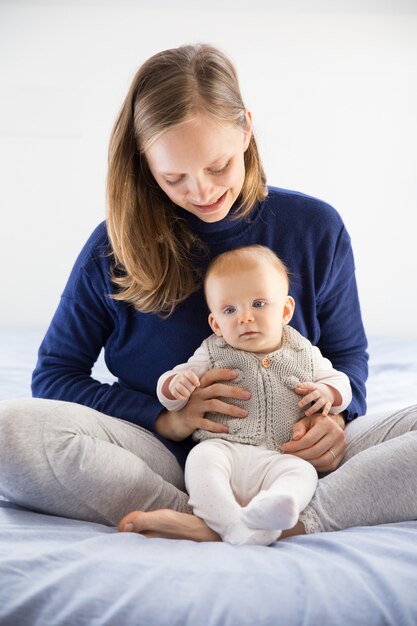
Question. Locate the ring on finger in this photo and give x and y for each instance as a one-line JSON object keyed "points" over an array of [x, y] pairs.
{"points": [[333, 454]]}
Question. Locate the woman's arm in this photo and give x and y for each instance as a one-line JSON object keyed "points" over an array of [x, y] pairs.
{"points": [[73, 341], [341, 338], [85, 320], [342, 335]]}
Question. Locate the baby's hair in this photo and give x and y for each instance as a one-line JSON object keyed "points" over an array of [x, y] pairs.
{"points": [[243, 258], [152, 246]]}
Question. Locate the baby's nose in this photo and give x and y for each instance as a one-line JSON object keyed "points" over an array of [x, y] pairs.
{"points": [[245, 317]]}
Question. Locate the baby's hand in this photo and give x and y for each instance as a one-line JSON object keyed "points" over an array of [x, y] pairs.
{"points": [[322, 395], [183, 384]]}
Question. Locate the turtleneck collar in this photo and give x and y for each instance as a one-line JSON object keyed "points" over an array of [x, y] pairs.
{"points": [[228, 226]]}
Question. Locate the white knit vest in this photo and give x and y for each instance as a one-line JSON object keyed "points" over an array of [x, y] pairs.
{"points": [[273, 406]]}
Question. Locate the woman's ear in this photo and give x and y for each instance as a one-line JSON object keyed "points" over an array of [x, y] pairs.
{"points": [[288, 311], [248, 130], [214, 325]]}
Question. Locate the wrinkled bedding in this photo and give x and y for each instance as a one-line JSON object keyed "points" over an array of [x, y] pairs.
{"points": [[61, 572]]}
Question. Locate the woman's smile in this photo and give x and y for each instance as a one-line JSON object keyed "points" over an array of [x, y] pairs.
{"points": [[211, 207], [200, 165]]}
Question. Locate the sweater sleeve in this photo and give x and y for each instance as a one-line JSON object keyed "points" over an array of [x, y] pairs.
{"points": [[342, 335], [82, 324]]}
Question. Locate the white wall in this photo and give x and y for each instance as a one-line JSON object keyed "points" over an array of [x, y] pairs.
{"points": [[333, 90]]}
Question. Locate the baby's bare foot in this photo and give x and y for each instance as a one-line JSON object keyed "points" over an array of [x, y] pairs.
{"points": [[168, 524]]}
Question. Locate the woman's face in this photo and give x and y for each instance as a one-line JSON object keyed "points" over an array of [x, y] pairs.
{"points": [[200, 165]]}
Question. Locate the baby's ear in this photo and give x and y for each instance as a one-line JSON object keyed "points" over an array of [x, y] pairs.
{"points": [[288, 311], [214, 325]]}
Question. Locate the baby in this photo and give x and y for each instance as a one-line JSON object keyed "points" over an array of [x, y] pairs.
{"points": [[239, 482]]}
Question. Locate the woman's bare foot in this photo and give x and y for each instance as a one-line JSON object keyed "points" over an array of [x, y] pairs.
{"points": [[298, 529], [168, 524]]}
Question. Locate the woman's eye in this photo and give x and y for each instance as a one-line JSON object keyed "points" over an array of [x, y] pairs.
{"points": [[258, 304], [174, 182], [221, 171]]}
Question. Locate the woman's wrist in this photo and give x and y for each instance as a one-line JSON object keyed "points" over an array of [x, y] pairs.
{"points": [[340, 419], [168, 424], [161, 424]]}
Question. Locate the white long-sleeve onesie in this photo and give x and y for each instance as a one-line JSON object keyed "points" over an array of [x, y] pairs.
{"points": [[199, 362]]}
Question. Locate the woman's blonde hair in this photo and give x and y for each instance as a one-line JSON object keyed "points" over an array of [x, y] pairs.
{"points": [[152, 246]]}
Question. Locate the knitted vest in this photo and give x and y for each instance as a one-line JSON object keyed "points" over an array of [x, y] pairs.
{"points": [[272, 409]]}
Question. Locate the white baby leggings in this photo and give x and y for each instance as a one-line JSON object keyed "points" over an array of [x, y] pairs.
{"points": [[247, 494]]}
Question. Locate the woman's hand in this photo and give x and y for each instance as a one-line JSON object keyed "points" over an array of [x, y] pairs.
{"points": [[319, 440], [177, 425]]}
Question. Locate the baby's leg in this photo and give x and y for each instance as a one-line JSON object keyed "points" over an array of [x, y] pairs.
{"points": [[288, 486], [208, 474]]}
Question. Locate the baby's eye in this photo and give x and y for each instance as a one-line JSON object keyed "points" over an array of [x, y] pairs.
{"points": [[258, 304], [229, 310]]}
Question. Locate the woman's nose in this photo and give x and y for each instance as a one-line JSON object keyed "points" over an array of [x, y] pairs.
{"points": [[201, 191]]}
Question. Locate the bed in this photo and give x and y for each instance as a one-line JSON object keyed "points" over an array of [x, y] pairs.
{"points": [[61, 572]]}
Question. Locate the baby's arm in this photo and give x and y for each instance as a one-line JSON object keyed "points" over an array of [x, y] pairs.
{"points": [[198, 364], [180, 386], [330, 391], [323, 396]]}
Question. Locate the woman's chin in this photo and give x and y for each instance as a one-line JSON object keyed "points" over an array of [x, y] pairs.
{"points": [[213, 212]]}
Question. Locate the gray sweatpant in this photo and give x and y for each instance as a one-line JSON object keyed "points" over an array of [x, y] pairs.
{"points": [[377, 480], [69, 460]]}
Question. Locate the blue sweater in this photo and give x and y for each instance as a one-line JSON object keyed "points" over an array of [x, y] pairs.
{"points": [[307, 234]]}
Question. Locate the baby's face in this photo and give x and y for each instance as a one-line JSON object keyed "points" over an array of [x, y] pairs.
{"points": [[249, 307]]}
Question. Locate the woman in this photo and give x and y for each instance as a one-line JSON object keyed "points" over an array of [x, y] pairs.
{"points": [[185, 183]]}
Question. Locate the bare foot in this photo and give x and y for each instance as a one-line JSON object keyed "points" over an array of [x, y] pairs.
{"points": [[168, 524], [298, 529]]}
